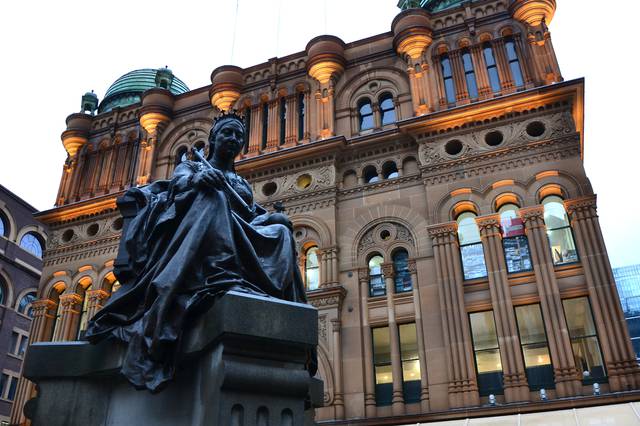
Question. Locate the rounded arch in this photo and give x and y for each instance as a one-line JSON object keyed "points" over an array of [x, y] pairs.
{"points": [[504, 198], [83, 280], [177, 131], [38, 232], [22, 294], [444, 209], [569, 184], [105, 278], [7, 283], [55, 287], [10, 232], [316, 224], [347, 90]]}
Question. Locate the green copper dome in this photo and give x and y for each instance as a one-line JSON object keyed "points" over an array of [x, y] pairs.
{"points": [[127, 89], [430, 5]]}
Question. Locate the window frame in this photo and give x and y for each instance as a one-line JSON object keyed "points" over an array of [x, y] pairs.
{"points": [[469, 73], [446, 68], [361, 117], [386, 96], [522, 236], [282, 113], [265, 125], [561, 228], [380, 276], [18, 346], [492, 68], [490, 390], [301, 114], [461, 247], [513, 62], [403, 274], [545, 385], [389, 385], [414, 391], [306, 267]]}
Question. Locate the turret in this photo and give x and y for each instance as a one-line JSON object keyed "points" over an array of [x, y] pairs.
{"points": [[226, 86]]}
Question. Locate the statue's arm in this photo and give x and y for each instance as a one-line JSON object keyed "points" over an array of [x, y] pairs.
{"points": [[183, 177]]}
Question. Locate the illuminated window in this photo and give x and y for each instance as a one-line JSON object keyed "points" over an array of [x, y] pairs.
{"points": [[447, 76], [469, 74], [376, 279], [410, 362], [492, 68], [31, 243], [387, 109], [24, 306], [115, 286], [535, 348], [365, 114], [486, 352], [301, 113], [514, 62], [471, 251], [563, 248], [283, 120], [402, 276], [514, 242], [312, 268], [584, 339], [382, 365]]}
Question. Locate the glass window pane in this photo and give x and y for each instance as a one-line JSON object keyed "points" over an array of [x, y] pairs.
{"points": [[408, 341], [381, 347], [516, 73], [30, 243], [555, 215], [468, 232], [494, 79], [410, 370], [488, 55], [14, 342], [488, 361], [313, 278], [563, 248], [446, 67], [386, 103], [483, 329], [366, 122], [1, 226], [377, 285], [536, 355], [579, 318], [516, 254], [530, 324], [402, 276], [384, 374], [365, 108], [450, 90], [388, 117], [12, 388], [586, 352], [472, 88], [312, 269], [473, 264]]}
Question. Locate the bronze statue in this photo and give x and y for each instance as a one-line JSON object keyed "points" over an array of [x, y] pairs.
{"points": [[194, 238]]}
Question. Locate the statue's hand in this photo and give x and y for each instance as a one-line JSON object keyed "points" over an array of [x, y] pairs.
{"points": [[208, 178]]}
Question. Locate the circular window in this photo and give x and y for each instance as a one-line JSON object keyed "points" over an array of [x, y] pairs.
{"points": [[269, 188], [117, 224], [535, 129], [67, 235], [493, 138], [453, 147], [385, 234], [303, 181], [92, 229]]}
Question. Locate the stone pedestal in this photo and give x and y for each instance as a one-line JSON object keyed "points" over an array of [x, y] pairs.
{"points": [[243, 365]]}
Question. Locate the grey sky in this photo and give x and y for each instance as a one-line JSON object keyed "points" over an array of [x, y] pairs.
{"points": [[53, 52]]}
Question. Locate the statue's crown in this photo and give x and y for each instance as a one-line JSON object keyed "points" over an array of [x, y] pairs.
{"points": [[228, 115]]}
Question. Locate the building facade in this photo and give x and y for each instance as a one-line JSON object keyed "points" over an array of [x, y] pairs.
{"points": [[22, 242], [446, 228], [628, 283]]}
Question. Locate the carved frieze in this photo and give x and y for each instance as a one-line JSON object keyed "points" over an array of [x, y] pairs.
{"points": [[304, 181]]}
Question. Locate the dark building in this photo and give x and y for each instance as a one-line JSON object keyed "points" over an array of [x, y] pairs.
{"points": [[22, 240], [628, 283]]}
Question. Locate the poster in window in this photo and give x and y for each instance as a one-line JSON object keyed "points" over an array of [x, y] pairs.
{"points": [[516, 254], [473, 261]]}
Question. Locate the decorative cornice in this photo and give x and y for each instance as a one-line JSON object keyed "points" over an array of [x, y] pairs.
{"points": [[327, 297], [443, 230], [583, 207]]}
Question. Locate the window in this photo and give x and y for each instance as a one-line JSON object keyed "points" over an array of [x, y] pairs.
{"points": [[387, 109], [19, 342], [8, 385], [469, 74], [514, 62], [301, 116], [312, 268], [265, 124], [376, 279], [382, 365], [390, 170], [57, 322], [31, 243], [283, 120], [181, 155], [3, 226], [563, 248], [471, 252], [584, 339], [115, 286], [514, 243], [486, 352], [535, 348], [447, 76], [24, 306], [84, 313], [247, 129], [492, 68], [3, 291], [410, 362], [370, 174], [365, 114], [402, 276]]}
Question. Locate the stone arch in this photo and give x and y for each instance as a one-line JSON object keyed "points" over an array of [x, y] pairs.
{"points": [[347, 90], [83, 280], [8, 285], [13, 228], [325, 371], [23, 293], [55, 283], [569, 184], [316, 224], [490, 195], [443, 209]]}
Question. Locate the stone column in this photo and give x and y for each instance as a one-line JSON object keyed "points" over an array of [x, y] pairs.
{"points": [[525, 61], [463, 387], [69, 317], [439, 82], [42, 322], [338, 400], [95, 299], [500, 54], [482, 77], [566, 375], [273, 126], [618, 353], [397, 398], [462, 95], [369, 384], [544, 57], [255, 134], [424, 386], [514, 374]]}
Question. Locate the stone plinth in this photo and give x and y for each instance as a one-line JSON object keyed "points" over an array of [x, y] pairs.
{"points": [[243, 365]]}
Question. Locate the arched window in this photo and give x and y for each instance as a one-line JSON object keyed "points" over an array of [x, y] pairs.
{"points": [[376, 279], [390, 170], [283, 120], [181, 155], [492, 68], [514, 242], [3, 291], [469, 74], [115, 287], [447, 76], [31, 243], [265, 124], [24, 306], [387, 109], [365, 114], [247, 129], [563, 248], [402, 276], [57, 321], [471, 252], [300, 116], [4, 228], [514, 62], [370, 174], [312, 268]]}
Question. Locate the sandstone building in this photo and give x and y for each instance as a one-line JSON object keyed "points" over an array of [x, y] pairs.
{"points": [[446, 228]]}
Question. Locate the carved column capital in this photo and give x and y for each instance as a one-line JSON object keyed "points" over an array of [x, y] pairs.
{"points": [[363, 274], [532, 216], [582, 208], [387, 270], [42, 306], [97, 295], [489, 225], [336, 325], [71, 299], [411, 266], [443, 233]]}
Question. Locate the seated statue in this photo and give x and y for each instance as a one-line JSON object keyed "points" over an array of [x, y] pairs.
{"points": [[194, 238]]}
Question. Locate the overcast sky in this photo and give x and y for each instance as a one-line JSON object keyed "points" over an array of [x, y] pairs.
{"points": [[53, 52]]}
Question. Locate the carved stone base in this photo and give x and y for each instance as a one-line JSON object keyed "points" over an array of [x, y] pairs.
{"points": [[244, 364]]}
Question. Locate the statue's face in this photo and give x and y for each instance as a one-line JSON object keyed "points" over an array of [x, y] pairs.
{"points": [[229, 139]]}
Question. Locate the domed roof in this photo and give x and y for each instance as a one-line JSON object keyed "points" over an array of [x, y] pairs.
{"points": [[127, 89], [438, 5]]}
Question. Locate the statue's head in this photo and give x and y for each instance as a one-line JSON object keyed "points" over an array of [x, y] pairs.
{"points": [[227, 134]]}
